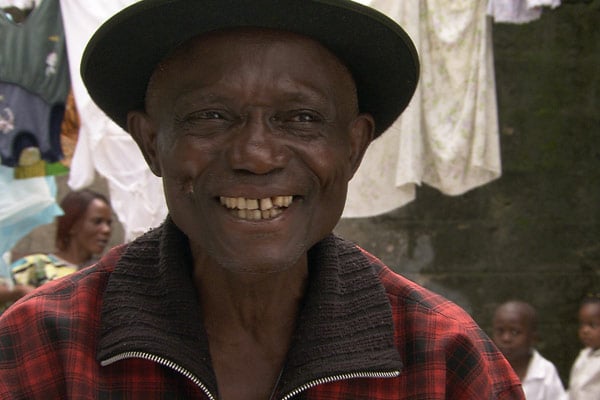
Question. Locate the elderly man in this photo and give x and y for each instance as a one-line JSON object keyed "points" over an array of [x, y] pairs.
{"points": [[255, 114]]}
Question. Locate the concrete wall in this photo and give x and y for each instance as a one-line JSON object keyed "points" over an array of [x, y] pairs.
{"points": [[534, 234]]}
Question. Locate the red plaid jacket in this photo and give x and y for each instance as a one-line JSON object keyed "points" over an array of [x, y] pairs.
{"points": [[128, 328]]}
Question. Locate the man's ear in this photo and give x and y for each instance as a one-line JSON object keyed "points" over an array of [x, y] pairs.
{"points": [[144, 133], [362, 132]]}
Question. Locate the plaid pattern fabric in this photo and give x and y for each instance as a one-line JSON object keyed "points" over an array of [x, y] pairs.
{"points": [[49, 346], [445, 354]]}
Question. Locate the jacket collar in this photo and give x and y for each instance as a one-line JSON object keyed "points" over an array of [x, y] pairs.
{"points": [[150, 305]]}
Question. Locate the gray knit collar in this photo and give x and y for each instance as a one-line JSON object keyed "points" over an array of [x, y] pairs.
{"points": [[150, 305]]}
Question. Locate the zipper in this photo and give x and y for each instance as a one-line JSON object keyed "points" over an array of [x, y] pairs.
{"points": [[341, 377], [198, 382], [162, 361]]}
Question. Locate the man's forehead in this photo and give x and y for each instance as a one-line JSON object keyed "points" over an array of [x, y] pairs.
{"points": [[297, 65], [219, 49]]}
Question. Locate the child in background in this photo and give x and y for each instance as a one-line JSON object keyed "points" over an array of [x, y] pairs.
{"points": [[515, 333], [584, 382]]}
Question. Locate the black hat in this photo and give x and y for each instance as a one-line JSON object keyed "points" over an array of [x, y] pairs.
{"points": [[122, 55]]}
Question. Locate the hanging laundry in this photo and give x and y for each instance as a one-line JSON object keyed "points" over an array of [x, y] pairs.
{"points": [[69, 130], [448, 136], [24, 205], [518, 11], [20, 4], [136, 194], [34, 82], [29, 129]]}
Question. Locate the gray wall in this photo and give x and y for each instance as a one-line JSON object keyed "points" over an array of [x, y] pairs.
{"points": [[534, 234]]}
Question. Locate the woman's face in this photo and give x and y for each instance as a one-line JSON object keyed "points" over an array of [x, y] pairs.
{"points": [[92, 232]]}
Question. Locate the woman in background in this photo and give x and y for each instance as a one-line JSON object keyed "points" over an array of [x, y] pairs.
{"points": [[81, 233]]}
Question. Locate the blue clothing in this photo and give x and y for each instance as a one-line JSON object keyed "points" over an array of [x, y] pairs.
{"points": [[24, 205], [26, 120]]}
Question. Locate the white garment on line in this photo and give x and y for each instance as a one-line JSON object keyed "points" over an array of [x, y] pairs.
{"points": [[22, 4], [136, 194], [448, 136], [518, 11]]}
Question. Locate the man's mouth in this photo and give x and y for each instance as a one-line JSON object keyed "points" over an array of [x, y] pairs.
{"points": [[256, 209]]}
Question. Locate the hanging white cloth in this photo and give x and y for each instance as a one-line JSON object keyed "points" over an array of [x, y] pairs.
{"points": [[136, 194], [518, 11], [22, 4], [448, 136]]}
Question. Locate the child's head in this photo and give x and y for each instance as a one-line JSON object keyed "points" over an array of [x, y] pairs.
{"points": [[589, 321], [515, 330]]}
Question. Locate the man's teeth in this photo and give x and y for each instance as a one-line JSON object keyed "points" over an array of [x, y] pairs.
{"points": [[256, 209]]}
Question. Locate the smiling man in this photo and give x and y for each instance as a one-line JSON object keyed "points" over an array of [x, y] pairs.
{"points": [[256, 116]]}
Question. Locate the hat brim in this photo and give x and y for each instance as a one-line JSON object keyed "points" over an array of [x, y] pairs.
{"points": [[123, 53]]}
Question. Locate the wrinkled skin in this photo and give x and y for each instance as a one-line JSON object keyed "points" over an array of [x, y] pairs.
{"points": [[267, 114]]}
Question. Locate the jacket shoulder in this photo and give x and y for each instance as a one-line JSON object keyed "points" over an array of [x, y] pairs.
{"points": [[437, 338]]}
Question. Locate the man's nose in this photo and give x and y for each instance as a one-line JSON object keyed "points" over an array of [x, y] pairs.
{"points": [[257, 147]]}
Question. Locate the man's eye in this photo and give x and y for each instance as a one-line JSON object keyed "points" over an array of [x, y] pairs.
{"points": [[203, 115], [208, 115], [305, 117]]}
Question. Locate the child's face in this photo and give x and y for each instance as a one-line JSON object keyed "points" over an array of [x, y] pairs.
{"points": [[512, 333], [589, 325]]}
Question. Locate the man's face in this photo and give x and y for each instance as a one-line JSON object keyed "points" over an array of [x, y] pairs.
{"points": [[250, 119]]}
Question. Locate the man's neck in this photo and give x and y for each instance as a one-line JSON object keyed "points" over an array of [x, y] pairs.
{"points": [[251, 302], [249, 321]]}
